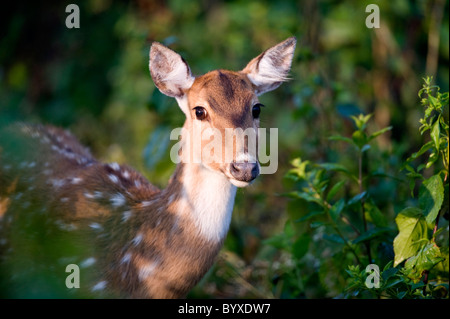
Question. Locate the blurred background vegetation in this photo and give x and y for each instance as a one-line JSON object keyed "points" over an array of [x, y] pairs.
{"points": [[95, 82]]}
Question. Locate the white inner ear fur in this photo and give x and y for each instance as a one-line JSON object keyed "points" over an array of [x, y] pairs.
{"points": [[271, 68], [267, 72], [170, 73], [179, 77], [183, 104]]}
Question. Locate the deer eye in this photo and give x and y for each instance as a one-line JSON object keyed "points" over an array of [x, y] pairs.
{"points": [[256, 110], [200, 113]]}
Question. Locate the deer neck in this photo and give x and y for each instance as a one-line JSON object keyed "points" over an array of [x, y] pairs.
{"points": [[204, 198]]}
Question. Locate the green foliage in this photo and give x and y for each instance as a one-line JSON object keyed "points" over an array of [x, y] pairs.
{"points": [[415, 246], [344, 212], [412, 230], [413, 243], [393, 284]]}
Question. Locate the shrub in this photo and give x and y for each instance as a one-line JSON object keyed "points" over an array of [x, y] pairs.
{"points": [[350, 229]]}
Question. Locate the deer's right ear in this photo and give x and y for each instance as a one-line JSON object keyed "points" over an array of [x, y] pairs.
{"points": [[269, 69], [169, 71]]}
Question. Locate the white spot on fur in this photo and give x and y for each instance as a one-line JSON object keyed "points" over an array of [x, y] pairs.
{"points": [[118, 200], [23, 164], [96, 226], [147, 203], [113, 178], [88, 262], [137, 240], [126, 174], [126, 215], [100, 286], [45, 140], [146, 270], [98, 194], [88, 195], [63, 226], [76, 180], [114, 166], [126, 258], [57, 183], [64, 200]]}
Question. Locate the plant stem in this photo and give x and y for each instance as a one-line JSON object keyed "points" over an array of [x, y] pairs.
{"points": [[327, 207], [360, 179], [435, 227]]}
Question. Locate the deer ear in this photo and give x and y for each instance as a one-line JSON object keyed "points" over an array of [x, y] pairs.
{"points": [[269, 69], [169, 71]]}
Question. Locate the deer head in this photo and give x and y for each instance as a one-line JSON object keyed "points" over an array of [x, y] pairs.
{"points": [[222, 107]]}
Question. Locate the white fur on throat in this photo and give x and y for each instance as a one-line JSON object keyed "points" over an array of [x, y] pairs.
{"points": [[208, 198]]}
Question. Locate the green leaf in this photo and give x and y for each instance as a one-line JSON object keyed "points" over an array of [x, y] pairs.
{"points": [[374, 215], [378, 133], [333, 191], [359, 138], [309, 216], [433, 101], [370, 234], [428, 256], [277, 241], [422, 150], [299, 168], [356, 198], [431, 197], [436, 133], [282, 240], [300, 246], [341, 138], [289, 229], [412, 228], [361, 121], [334, 238], [433, 158], [334, 167], [309, 197], [401, 294], [392, 283], [366, 147], [336, 209]]}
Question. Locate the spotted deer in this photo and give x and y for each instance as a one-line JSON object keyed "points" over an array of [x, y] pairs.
{"points": [[60, 206]]}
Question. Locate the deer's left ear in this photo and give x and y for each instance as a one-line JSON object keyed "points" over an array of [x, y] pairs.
{"points": [[269, 69]]}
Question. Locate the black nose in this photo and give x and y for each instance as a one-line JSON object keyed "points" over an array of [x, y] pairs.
{"points": [[245, 172]]}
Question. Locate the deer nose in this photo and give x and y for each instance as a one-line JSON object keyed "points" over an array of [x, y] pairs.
{"points": [[245, 172]]}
